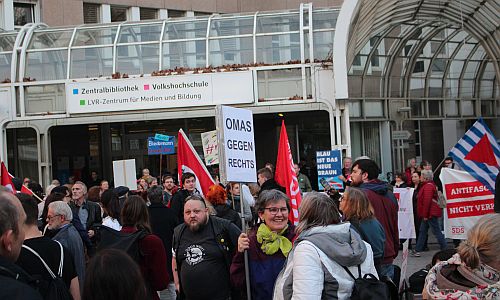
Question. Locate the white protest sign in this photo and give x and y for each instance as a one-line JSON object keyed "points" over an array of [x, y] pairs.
{"points": [[124, 173], [467, 199], [239, 145], [406, 224], [159, 92], [404, 265], [210, 147]]}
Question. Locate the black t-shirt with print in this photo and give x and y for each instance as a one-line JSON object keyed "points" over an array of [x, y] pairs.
{"points": [[204, 273], [50, 252]]}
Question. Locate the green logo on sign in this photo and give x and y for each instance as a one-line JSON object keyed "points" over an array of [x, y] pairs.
{"points": [[82, 102]]}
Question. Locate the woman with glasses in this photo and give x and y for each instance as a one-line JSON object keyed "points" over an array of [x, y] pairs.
{"points": [[268, 245], [325, 254]]}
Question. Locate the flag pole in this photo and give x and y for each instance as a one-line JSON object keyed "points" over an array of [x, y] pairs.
{"points": [[245, 253]]}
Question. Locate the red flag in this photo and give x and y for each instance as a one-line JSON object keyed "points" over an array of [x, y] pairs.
{"points": [[7, 179], [189, 161], [285, 175], [26, 190]]}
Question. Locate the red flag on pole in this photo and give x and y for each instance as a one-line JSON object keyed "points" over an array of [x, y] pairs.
{"points": [[7, 179], [189, 161], [285, 175]]}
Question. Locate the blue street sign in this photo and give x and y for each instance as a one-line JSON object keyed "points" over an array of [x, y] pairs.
{"points": [[162, 137]]}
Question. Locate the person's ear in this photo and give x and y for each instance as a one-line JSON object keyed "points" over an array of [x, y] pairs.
{"points": [[6, 240]]}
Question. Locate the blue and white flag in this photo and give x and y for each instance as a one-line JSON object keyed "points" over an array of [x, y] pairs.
{"points": [[479, 154]]}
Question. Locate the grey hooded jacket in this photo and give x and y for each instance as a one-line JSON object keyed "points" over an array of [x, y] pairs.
{"points": [[314, 266]]}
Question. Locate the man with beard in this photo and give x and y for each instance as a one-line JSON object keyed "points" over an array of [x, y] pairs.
{"points": [[364, 174], [202, 252]]}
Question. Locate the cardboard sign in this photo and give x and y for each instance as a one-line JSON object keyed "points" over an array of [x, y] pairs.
{"points": [[124, 173], [467, 200], [406, 223], [329, 169], [210, 147]]}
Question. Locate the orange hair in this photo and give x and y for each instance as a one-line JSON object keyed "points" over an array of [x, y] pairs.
{"points": [[216, 195]]}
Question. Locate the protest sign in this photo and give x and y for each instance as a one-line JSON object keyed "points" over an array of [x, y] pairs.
{"points": [[210, 147], [467, 199], [406, 223], [329, 169], [124, 173], [161, 146]]}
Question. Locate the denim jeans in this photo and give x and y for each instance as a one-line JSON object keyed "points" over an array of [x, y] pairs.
{"points": [[424, 228], [387, 270]]}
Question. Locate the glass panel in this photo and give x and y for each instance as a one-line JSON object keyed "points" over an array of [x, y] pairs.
{"points": [[468, 108], [417, 87], [148, 13], [189, 54], [45, 99], [323, 45], [487, 108], [47, 65], [489, 72], [467, 89], [95, 36], [471, 70], [486, 89], [451, 107], [135, 33], [278, 48], [231, 51], [435, 88], [91, 62], [5, 64], [185, 30], [435, 108], [451, 90], [417, 108], [22, 145], [91, 13], [50, 39], [282, 84], [278, 23], [7, 42], [118, 14], [325, 19], [227, 27], [24, 13], [137, 59], [355, 109], [374, 108], [455, 68]]}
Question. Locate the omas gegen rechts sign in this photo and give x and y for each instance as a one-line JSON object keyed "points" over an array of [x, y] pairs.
{"points": [[159, 92], [239, 144]]}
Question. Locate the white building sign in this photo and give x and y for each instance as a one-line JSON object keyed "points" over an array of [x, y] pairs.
{"points": [[239, 145], [159, 92]]}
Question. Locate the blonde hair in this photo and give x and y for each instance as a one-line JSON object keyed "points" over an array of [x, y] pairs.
{"points": [[483, 242], [358, 206]]}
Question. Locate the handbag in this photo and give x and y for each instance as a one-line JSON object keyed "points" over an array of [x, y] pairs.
{"points": [[368, 287]]}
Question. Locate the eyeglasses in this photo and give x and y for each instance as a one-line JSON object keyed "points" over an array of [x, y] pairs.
{"points": [[52, 217], [275, 210]]}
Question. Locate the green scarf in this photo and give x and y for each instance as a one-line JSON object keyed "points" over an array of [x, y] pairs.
{"points": [[273, 241]]}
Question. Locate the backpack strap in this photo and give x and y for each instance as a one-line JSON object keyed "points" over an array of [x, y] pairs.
{"points": [[41, 259], [350, 274], [61, 262]]}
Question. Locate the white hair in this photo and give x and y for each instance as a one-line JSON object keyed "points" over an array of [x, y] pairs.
{"points": [[62, 208], [427, 174]]}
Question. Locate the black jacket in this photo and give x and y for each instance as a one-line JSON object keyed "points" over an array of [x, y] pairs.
{"points": [[94, 219], [15, 282], [163, 221], [271, 184], [177, 202], [226, 212]]}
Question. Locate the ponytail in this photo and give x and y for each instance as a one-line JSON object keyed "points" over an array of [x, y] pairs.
{"points": [[469, 254]]}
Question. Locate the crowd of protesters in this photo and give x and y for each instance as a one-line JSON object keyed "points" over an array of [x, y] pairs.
{"points": [[169, 241]]}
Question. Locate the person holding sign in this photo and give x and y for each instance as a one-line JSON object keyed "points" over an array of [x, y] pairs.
{"points": [[472, 273], [268, 246]]}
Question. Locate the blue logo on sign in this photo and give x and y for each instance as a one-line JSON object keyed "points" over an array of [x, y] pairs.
{"points": [[75, 91]]}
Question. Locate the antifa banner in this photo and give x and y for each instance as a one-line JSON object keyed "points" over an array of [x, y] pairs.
{"points": [[189, 161], [285, 175], [467, 199], [406, 223]]}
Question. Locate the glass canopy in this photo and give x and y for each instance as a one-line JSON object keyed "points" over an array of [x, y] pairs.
{"points": [[134, 48]]}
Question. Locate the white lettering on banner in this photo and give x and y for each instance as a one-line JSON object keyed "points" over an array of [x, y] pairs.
{"points": [[466, 201], [161, 92], [239, 149]]}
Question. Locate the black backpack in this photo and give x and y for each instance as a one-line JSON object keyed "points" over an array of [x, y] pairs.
{"points": [[368, 287], [127, 242], [57, 289]]}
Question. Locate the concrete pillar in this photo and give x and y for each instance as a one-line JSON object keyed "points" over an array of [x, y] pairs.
{"points": [[134, 13], [106, 13], [7, 15]]}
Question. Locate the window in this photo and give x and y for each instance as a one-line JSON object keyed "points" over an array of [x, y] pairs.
{"points": [[90, 13], [24, 13], [118, 14], [172, 13], [148, 13]]}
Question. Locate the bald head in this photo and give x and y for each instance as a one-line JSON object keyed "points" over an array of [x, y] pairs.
{"points": [[11, 227]]}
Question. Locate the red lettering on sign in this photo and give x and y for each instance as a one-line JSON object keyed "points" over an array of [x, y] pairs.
{"points": [[465, 190], [469, 208]]}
